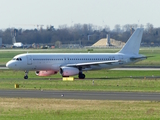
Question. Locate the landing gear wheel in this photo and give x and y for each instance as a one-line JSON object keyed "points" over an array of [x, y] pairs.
{"points": [[81, 76], [26, 77]]}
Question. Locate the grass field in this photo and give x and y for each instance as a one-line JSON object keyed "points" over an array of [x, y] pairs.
{"points": [[57, 109], [104, 80]]}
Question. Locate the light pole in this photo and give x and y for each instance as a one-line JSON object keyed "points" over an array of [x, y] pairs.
{"points": [[89, 36]]}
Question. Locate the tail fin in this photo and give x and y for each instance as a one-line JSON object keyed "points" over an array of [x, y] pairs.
{"points": [[133, 44], [14, 40]]}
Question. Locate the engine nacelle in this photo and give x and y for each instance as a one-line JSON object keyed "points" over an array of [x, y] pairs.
{"points": [[45, 73], [69, 71]]}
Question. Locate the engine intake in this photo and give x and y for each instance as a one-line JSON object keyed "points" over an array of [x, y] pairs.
{"points": [[69, 71]]}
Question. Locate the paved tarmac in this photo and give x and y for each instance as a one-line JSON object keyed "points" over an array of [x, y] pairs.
{"points": [[84, 95]]}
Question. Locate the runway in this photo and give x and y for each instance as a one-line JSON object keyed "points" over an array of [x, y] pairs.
{"points": [[84, 95]]}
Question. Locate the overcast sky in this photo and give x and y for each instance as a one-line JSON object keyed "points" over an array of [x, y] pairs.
{"points": [[27, 13]]}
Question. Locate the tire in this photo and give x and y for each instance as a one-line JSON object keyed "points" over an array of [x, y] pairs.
{"points": [[81, 76], [25, 77]]}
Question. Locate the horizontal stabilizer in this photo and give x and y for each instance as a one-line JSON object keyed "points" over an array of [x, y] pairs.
{"points": [[138, 58]]}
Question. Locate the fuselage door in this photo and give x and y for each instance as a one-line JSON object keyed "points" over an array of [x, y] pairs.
{"points": [[29, 59]]}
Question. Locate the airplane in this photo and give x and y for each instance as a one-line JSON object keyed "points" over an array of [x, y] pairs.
{"points": [[70, 64], [16, 44]]}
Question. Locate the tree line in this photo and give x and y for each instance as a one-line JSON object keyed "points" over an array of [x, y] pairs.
{"points": [[83, 34]]}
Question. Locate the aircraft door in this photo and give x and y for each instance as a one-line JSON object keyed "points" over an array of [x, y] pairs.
{"points": [[29, 59]]}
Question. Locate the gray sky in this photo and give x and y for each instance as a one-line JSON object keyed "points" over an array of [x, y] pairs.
{"points": [[27, 13]]}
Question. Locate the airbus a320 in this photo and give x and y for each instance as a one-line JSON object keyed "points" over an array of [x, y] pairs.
{"points": [[70, 64]]}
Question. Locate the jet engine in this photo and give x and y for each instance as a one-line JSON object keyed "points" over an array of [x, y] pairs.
{"points": [[69, 71], [45, 73]]}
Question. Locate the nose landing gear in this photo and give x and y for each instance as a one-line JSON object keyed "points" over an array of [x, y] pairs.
{"points": [[26, 75]]}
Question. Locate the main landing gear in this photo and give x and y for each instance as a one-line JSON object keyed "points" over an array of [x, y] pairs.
{"points": [[81, 75], [26, 75]]}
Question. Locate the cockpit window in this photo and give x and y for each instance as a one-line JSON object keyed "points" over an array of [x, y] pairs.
{"points": [[18, 59]]}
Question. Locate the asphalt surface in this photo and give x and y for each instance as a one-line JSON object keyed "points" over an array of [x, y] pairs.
{"points": [[85, 95]]}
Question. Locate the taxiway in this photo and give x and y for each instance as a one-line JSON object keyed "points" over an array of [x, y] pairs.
{"points": [[85, 95]]}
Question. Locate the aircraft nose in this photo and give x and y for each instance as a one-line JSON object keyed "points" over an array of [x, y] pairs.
{"points": [[9, 64]]}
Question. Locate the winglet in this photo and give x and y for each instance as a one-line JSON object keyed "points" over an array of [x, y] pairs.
{"points": [[133, 44]]}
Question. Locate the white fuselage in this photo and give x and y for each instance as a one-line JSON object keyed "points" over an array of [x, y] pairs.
{"points": [[18, 44], [53, 61]]}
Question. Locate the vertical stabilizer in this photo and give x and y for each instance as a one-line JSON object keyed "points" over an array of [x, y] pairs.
{"points": [[133, 44], [13, 40]]}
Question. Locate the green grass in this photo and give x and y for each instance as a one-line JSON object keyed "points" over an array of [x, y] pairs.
{"points": [[98, 74], [136, 85], [52, 109], [104, 80]]}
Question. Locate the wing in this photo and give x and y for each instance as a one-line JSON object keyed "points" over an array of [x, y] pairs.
{"points": [[91, 63]]}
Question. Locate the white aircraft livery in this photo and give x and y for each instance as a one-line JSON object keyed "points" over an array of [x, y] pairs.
{"points": [[70, 64], [16, 44]]}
